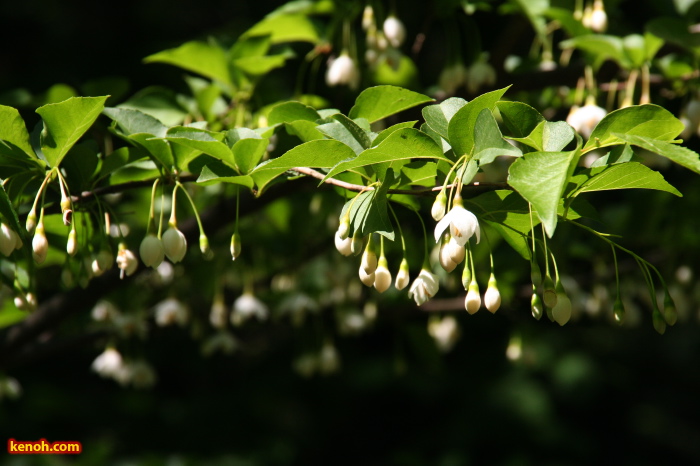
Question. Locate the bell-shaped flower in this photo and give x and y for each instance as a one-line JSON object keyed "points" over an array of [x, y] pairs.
{"points": [[151, 251], [218, 313], [369, 258], [109, 363], [598, 20], [492, 297], [444, 331], [105, 311], [462, 223], [126, 261], [170, 311], [424, 287], [444, 255], [40, 244], [343, 71], [585, 119], [480, 74], [367, 279], [452, 77], [438, 209], [561, 312], [473, 301], [394, 30], [402, 277], [344, 227], [344, 246], [72, 243], [246, 307], [174, 244], [382, 276]]}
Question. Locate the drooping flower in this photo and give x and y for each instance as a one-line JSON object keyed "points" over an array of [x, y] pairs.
{"points": [[369, 258], [424, 287], [246, 307], [462, 223], [126, 261], [561, 312], [170, 311], [402, 277], [382, 276], [344, 246], [473, 301], [8, 239], [174, 244], [109, 363], [104, 311], [72, 243], [367, 279], [394, 30], [102, 262], [218, 313], [585, 119], [444, 255], [438, 209], [452, 77], [481, 73], [151, 251], [598, 20], [40, 244], [328, 359], [444, 331], [343, 71], [492, 297]]}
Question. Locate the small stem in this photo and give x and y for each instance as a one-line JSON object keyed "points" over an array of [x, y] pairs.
{"points": [[398, 225], [425, 241], [194, 207]]}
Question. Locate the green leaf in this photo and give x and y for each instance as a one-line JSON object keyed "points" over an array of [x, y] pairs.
{"points": [[407, 143], [345, 130], [620, 176], [132, 121], [220, 173], [540, 177], [119, 158], [158, 149], [419, 173], [202, 140], [304, 130], [647, 121], [379, 102], [617, 154], [80, 165], [488, 140], [438, 116], [674, 30], [602, 46], [461, 127], [566, 19], [65, 123], [248, 152], [204, 58], [549, 136], [258, 66], [14, 137], [681, 155], [390, 130], [161, 103], [321, 153], [285, 28], [368, 211], [9, 214], [519, 118], [288, 112]]}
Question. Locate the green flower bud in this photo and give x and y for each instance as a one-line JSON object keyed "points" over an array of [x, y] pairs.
{"points": [[619, 311], [561, 312], [439, 206], [550, 293], [31, 221], [204, 247], [536, 305], [659, 322], [670, 313], [466, 275], [235, 245]]}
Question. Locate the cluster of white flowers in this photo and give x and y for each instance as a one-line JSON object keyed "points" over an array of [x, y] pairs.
{"points": [[595, 18]]}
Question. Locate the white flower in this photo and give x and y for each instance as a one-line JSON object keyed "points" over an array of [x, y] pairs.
{"points": [[170, 311], [235, 246], [586, 118], [402, 278], [598, 20], [394, 30], [151, 251], [463, 224], [343, 71], [344, 227], [492, 297], [344, 246], [473, 301], [126, 261], [109, 363], [246, 307], [218, 313], [367, 17], [444, 331], [174, 244], [40, 244], [31, 221], [480, 74], [8, 239], [369, 259], [366, 278], [382, 276], [438, 209], [445, 256], [424, 287], [104, 311], [102, 262], [72, 244]]}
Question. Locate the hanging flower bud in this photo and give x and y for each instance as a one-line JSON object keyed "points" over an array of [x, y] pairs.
{"points": [[102, 262], [31, 221], [452, 77], [344, 246], [473, 301], [328, 359], [8, 239], [550, 294], [174, 244], [40, 244], [439, 206], [204, 247], [367, 17], [109, 363], [394, 30], [586, 118], [658, 320], [72, 244], [218, 313], [424, 287], [170, 311], [402, 277], [536, 305], [456, 251], [235, 245], [535, 274], [126, 261], [598, 20], [561, 312], [356, 244], [466, 275], [382, 276], [66, 210], [344, 227], [367, 279], [619, 311], [343, 71], [444, 331], [492, 297], [587, 16], [369, 258], [670, 313], [444, 255], [151, 251]]}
